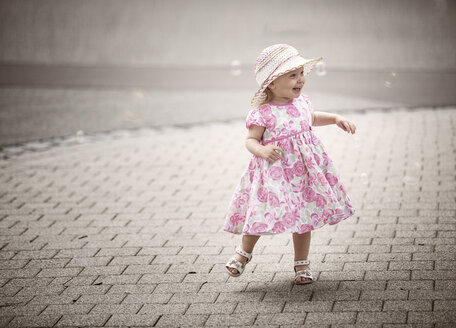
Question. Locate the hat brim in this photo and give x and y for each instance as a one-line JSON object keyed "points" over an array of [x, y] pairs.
{"points": [[308, 64]]}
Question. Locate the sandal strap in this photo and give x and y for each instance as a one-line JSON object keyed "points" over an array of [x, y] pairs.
{"points": [[240, 251], [235, 264], [301, 262], [304, 274]]}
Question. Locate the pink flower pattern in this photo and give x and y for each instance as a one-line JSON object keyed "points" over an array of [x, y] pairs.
{"points": [[299, 193]]}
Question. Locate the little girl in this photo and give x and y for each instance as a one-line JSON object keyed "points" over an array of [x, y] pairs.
{"points": [[291, 184]]}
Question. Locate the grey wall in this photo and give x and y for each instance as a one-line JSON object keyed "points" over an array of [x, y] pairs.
{"points": [[350, 35]]}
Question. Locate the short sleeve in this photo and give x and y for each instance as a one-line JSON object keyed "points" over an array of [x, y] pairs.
{"points": [[254, 117]]}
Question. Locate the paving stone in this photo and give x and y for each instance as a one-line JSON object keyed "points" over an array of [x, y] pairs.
{"points": [[124, 251], [88, 261], [333, 318], [383, 294], [78, 320], [189, 320], [445, 284], [431, 294], [145, 298], [263, 307], [389, 257], [85, 290], [128, 260], [100, 309], [216, 308], [158, 250], [117, 279], [227, 287], [171, 308], [345, 294], [242, 296], [363, 285], [177, 287], [200, 297], [244, 319], [23, 273], [103, 270], [407, 305], [318, 285], [387, 275], [72, 253], [41, 290], [141, 269], [382, 317], [61, 309], [34, 321], [342, 275], [357, 257], [305, 306], [288, 319], [362, 266], [433, 274], [15, 310], [101, 299], [432, 317], [129, 320], [132, 288], [55, 299], [444, 305], [411, 265], [4, 320], [410, 284]]}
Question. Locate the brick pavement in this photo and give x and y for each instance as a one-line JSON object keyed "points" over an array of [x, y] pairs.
{"points": [[126, 230]]}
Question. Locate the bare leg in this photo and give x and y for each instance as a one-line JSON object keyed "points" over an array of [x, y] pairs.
{"points": [[248, 243], [301, 243]]}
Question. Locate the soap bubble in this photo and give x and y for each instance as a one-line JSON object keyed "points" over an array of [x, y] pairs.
{"points": [[364, 178], [356, 141], [138, 94], [80, 136], [391, 80], [320, 68], [236, 67]]}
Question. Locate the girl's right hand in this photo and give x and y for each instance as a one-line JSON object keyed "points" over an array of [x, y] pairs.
{"points": [[269, 153]]}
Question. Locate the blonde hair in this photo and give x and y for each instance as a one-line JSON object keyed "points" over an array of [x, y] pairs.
{"points": [[268, 96]]}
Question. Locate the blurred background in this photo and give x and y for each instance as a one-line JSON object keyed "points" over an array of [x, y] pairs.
{"points": [[74, 67]]}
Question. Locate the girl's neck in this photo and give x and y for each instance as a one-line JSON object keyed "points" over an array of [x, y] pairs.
{"points": [[281, 101]]}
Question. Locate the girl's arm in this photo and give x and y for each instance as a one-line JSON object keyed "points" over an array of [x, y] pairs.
{"points": [[252, 143], [322, 118]]}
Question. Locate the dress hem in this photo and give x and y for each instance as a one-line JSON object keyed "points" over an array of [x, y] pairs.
{"points": [[334, 221]]}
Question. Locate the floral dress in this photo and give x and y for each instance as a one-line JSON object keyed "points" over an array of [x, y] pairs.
{"points": [[299, 193]]}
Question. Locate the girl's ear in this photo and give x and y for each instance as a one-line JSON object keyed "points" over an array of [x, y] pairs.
{"points": [[271, 85]]}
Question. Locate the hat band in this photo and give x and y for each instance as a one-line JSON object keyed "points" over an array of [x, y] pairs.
{"points": [[268, 59]]}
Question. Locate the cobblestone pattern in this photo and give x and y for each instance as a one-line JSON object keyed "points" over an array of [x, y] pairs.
{"points": [[128, 232]]}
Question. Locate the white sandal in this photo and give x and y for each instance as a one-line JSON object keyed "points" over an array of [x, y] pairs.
{"points": [[235, 264], [306, 273]]}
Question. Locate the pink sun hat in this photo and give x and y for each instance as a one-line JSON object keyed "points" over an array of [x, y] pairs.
{"points": [[275, 61]]}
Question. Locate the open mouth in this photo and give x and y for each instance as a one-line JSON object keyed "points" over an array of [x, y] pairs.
{"points": [[297, 89]]}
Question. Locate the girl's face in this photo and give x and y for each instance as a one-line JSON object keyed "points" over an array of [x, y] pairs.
{"points": [[287, 86]]}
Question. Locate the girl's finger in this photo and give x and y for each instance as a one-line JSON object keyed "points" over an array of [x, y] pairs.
{"points": [[278, 148]]}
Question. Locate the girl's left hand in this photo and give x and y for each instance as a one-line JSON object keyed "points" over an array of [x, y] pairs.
{"points": [[345, 124]]}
